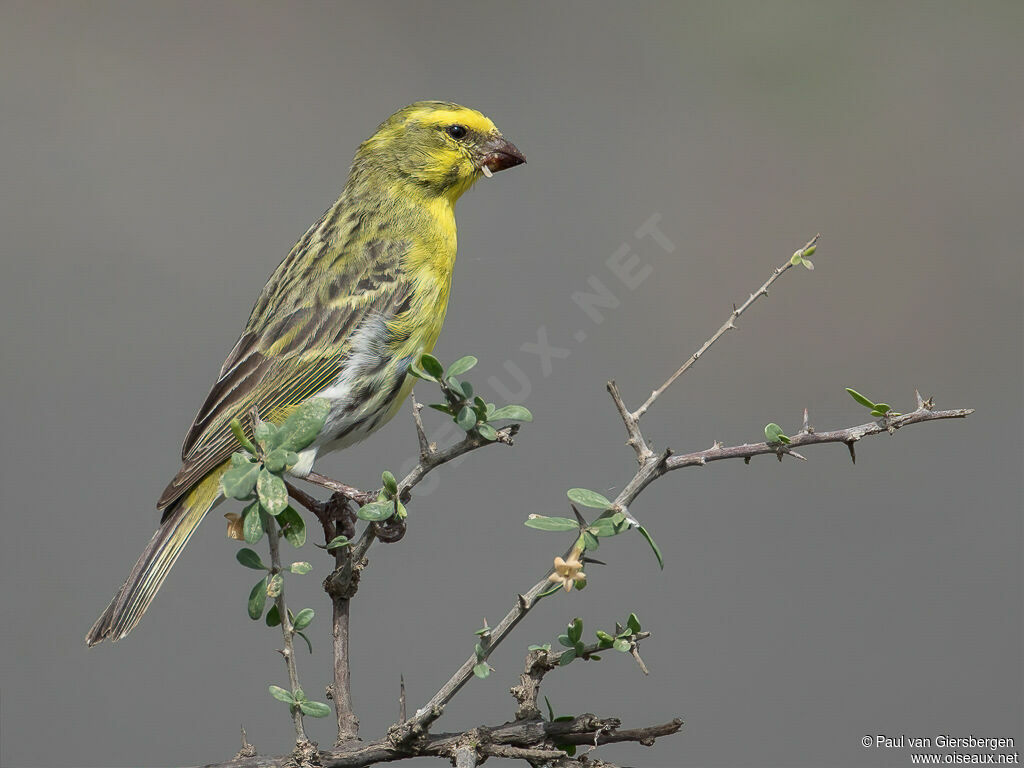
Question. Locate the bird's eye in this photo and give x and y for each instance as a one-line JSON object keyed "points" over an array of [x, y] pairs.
{"points": [[456, 131]]}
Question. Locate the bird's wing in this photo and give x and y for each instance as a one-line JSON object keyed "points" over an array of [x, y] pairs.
{"points": [[284, 357]]}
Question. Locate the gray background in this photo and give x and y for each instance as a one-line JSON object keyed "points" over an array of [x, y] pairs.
{"points": [[159, 159]]}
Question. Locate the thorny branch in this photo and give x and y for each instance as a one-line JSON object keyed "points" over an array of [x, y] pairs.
{"points": [[728, 325], [517, 740], [528, 737], [337, 518], [287, 630]]}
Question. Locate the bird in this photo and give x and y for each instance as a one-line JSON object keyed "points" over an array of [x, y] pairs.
{"points": [[359, 298]]}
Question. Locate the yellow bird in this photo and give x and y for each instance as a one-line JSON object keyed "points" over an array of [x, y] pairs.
{"points": [[361, 296]]}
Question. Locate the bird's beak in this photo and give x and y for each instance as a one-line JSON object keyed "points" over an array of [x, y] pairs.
{"points": [[498, 153]]}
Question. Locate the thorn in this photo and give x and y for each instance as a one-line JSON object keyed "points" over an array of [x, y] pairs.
{"points": [[636, 655], [806, 429], [853, 453], [593, 560], [717, 444], [579, 518], [524, 604], [796, 455], [746, 459], [920, 400]]}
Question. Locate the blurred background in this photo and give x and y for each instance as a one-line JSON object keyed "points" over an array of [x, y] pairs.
{"points": [[159, 159]]}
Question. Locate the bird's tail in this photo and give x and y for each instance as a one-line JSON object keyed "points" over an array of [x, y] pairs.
{"points": [[132, 600]]}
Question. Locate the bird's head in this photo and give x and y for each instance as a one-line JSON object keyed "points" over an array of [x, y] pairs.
{"points": [[440, 147]]}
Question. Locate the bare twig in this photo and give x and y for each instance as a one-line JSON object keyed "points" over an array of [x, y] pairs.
{"points": [[728, 325], [421, 435], [401, 698], [631, 421]]}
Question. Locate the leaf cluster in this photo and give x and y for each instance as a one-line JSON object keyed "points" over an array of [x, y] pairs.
{"points": [[470, 411]]}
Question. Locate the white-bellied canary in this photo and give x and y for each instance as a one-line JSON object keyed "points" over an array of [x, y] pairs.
{"points": [[361, 296]]}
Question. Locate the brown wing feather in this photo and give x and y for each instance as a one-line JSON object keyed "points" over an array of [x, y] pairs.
{"points": [[288, 360]]}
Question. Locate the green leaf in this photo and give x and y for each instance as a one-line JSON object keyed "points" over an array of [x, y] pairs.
{"points": [[252, 525], [400, 510], [442, 408], [633, 623], [238, 482], [415, 369], [545, 523], [303, 424], [292, 526], [250, 559], [461, 365], [807, 263], [797, 257], [565, 640], [511, 412], [567, 657], [550, 591], [258, 599], [487, 432], [300, 567], [884, 408], [275, 585], [575, 631], [621, 645], [389, 483], [860, 398], [240, 459], [272, 492], [464, 387], [605, 638], [376, 511], [773, 433], [654, 547], [308, 644], [431, 365], [300, 695], [273, 617], [281, 694], [303, 619], [590, 541], [314, 709], [546, 647], [266, 435], [609, 526], [338, 542], [466, 418], [587, 498], [482, 670], [240, 436], [277, 459]]}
